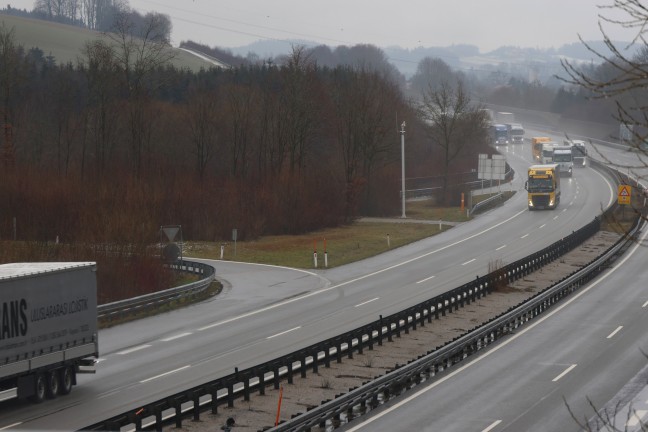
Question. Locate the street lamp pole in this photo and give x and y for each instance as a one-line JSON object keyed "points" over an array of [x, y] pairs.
{"points": [[402, 132]]}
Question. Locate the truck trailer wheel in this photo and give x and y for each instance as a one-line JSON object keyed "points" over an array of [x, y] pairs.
{"points": [[52, 384], [40, 389], [66, 376]]}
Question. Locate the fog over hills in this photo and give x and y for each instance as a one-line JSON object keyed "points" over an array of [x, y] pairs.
{"points": [[464, 57]]}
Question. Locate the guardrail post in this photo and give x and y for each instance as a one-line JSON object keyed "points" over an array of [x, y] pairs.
{"points": [[327, 356], [275, 377], [350, 347], [315, 356], [261, 377], [177, 405], [213, 391], [302, 366], [246, 388], [290, 370], [196, 406], [158, 418], [230, 393]]}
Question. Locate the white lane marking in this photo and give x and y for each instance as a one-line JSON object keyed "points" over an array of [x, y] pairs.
{"points": [[542, 226], [565, 372], [492, 426], [505, 342], [611, 335], [468, 262], [10, 426], [501, 247], [283, 332], [645, 304], [368, 301], [170, 338], [525, 236], [564, 210], [314, 293], [432, 277], [137, 348], [555, 217], [636, 418], [165, 374]]}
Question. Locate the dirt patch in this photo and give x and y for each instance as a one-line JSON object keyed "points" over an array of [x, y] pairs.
{"points": [[309, 392]]}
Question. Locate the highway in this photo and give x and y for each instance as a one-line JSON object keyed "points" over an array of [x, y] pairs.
{"points": [[267, 311], [579, 356]]}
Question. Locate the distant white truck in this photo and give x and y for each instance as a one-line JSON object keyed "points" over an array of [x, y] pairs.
{"points": [[546, 156], [579, 152], [515, 132], [562, 155]]}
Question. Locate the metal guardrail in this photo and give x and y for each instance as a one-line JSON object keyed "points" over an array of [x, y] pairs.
{"points": [[485, 203], [424, 368], [225, 390], [120, 308]]}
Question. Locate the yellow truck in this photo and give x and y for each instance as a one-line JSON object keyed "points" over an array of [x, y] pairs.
{"points": [[543, 186]]}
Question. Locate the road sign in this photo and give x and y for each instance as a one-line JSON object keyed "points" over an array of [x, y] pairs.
{"points": [[625, 192]]}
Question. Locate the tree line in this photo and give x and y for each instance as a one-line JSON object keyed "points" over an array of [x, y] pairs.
{"points": [[107, 150]]}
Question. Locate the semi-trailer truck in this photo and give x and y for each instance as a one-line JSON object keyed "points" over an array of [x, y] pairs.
{"points": [[48, 327], [543, 186], [579, 152], [536, 147], [562, 155], [499, 134], [515, 132]]}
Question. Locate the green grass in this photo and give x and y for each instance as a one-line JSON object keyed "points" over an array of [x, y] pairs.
{"points": [[422, 209], [344, 245], [65, 43]]}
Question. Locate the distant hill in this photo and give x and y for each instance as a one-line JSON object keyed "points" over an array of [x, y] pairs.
{"points": [[461, 57], [65, 42]]}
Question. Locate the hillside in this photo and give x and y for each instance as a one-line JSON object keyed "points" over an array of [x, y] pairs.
{"points": [[65, 42]]}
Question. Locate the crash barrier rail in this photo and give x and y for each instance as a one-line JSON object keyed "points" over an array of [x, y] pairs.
{"points": [[486, 203], [118, 309], [358, 401], [224, 390], [425, 186]]}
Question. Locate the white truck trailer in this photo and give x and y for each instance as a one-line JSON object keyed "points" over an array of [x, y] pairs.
{"points": [[48, 327], [562, 155]]}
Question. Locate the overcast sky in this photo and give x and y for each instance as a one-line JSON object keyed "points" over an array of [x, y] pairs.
{"points": [[487, 24]]}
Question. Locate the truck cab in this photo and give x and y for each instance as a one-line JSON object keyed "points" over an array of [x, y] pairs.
{"points": [[499, 134], [547, 152], [579, 152], [516, 133], [543, 187], [562, 155]]}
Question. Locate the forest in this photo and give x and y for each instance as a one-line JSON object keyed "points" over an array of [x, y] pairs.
{"points": [[98, 155]]}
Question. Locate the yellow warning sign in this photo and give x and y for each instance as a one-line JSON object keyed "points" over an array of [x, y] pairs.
{"points": [[625, 192]]}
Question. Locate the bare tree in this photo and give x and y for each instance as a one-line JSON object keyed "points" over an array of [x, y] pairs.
{"points": [[201, 118], [365, 104], [621, 78], [139, 53], [101, 68], [11, 75], [453, 122]]}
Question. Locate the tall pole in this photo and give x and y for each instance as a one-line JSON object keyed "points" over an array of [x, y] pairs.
{"points": [[402, 132]]}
